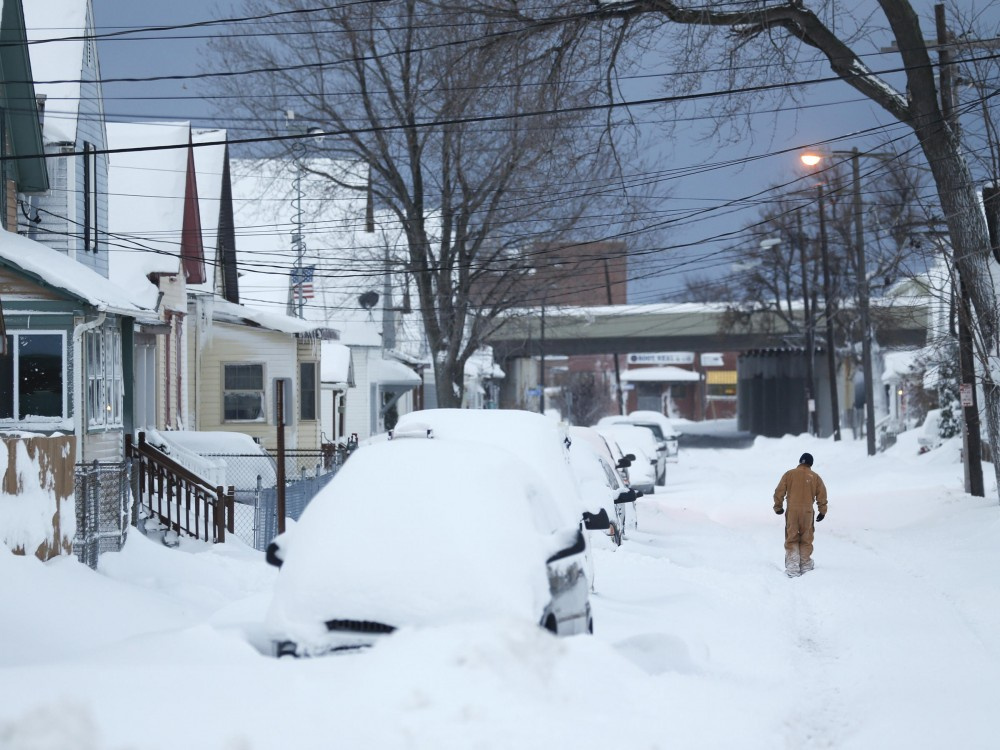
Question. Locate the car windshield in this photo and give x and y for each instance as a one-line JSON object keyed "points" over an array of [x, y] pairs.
{"points": [[654, 428]]}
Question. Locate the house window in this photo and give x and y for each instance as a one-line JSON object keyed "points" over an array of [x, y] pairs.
{"points": [[104, 378], [89, 197], [32, 377], [307, 390], [243, 393]]}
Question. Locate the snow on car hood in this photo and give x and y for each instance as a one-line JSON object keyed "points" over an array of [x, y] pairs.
{"points": [[415, 532], [534, 439]]}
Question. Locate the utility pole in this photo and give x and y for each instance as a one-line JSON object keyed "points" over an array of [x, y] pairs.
{"points": [[863, 305], [541, 364], [618, 372], [831, 350], [970, 408], [807, 315]]}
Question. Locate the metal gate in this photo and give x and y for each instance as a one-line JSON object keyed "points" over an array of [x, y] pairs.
{"points": [[102, 509]]}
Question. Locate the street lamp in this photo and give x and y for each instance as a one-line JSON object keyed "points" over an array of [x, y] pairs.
{"points": [[812, 159]]}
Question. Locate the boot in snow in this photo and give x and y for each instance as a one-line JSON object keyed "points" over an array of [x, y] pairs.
{"points": [[806, 566], [792, 563]]}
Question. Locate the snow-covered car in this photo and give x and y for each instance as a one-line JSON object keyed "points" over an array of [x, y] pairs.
{"points": [[454, 533], [661, 427], [642, 445], [597, 474], [656, 448], [538, 441]]}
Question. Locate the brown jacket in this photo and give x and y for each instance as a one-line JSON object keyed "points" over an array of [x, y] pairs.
{"points": [[801, 486]]}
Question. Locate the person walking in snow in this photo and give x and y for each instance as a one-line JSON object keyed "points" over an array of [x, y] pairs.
{"points": [[801, 487]]}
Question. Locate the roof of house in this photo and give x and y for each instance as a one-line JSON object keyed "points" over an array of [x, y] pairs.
{"points": [[54, 269], [62, 60], [209, 162], [229, 312], [18, 99], [335, 363], [146, 203]]}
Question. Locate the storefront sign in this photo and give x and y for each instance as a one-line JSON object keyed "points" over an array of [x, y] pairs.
{"points": [[711, 359], [661, 358]]}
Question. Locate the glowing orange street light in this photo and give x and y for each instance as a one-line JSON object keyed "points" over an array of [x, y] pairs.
{"points": [[810, 159]]}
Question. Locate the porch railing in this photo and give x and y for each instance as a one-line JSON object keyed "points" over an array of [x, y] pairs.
{"points": [[178, 498]]}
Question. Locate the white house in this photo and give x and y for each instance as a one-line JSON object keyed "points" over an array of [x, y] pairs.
{"points": [[155, 220], [287, 220]]}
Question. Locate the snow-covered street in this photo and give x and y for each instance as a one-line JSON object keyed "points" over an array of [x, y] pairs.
{"points": [[701, 641]]}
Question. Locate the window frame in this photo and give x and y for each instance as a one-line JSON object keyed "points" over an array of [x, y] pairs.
{"points": [[15, 355], [225, 419], [314, 366], [105, 381]]}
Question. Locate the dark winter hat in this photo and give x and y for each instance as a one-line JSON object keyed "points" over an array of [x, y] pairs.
{"points": [[806, 458]]}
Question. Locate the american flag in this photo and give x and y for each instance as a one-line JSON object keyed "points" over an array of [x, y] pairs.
{"points": [[302, 282]]}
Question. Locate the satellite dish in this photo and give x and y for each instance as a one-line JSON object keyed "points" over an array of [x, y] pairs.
{"points": [[368, 300]]}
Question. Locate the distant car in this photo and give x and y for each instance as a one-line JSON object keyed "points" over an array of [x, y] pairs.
{"points": [[453, 533], [597, 474], [658, 450], [623, 462], [642, 445], [662, 428]]}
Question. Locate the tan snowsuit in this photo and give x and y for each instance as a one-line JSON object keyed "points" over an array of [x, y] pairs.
{"points": [[801, 487]]}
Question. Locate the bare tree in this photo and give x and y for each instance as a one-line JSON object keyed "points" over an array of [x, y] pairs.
{"points": [[777, 269], [464, 129], [751, 36]]}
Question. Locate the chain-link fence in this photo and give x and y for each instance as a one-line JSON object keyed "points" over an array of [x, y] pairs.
{"points": [[254, 478], [102, 509]]}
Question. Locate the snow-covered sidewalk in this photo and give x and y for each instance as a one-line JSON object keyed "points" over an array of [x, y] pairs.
{"points": [[701, 641]]}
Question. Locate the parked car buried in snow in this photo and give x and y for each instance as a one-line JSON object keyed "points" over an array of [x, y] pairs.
{"points": [[453, 533], [661, 427], [597, 474], [655, 447], [642, 445]]}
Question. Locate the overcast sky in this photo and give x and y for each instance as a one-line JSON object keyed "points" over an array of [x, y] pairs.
{"points": [[833, 111]]}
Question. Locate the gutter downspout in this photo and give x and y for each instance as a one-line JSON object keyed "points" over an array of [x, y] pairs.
{"points": [[78, 415]]}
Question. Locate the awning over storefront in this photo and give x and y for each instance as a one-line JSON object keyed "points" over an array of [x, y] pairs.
{"points": [[665, 374]]}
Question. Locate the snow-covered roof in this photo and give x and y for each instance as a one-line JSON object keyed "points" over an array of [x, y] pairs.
{"points": [[65, 20], [61, 272], [230, 312], [391, 372], [897, 365], [665, 374], [335, 363], [208, 164], [146, 203]]}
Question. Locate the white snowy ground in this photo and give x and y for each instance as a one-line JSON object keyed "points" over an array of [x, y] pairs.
{"points": [[701, 640]]}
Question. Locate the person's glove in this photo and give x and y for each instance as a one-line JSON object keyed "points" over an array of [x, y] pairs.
{"points": [[820, 517], [779, 511]]}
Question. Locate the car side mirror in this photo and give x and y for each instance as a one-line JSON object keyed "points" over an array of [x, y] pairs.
{"points": [[625, 461], [626, 496], [272, 555], [596, 521]]}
